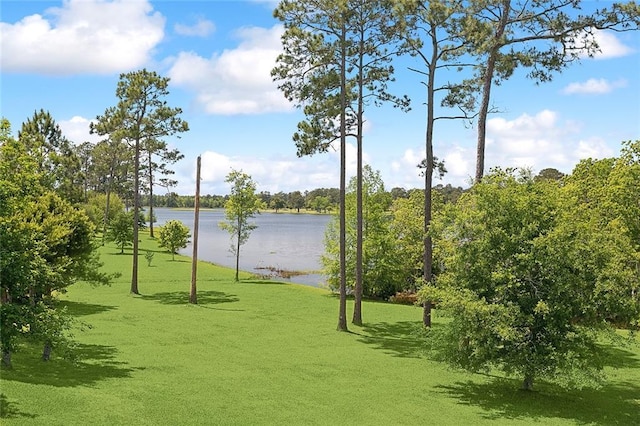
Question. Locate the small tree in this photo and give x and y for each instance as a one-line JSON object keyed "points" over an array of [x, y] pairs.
{"points": [[174, 235], [243, 204], [120, 230]]}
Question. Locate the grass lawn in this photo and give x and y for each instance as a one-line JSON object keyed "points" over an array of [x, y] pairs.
{"points": [[263, 352]]}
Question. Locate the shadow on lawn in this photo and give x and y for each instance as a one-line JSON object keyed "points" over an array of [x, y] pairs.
{"points": [[207, 297], [615, 404], [82, 309], [401, 339], [8, 411], [94, 363]]}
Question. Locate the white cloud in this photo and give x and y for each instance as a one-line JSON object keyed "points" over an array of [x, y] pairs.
{"points": [[235, 81], [273, 174], [609, 46], [82, 36], [76, 130], [201, 28], [531, 141], [594, 86]]}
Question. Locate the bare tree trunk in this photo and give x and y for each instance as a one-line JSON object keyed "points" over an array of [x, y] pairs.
{"points": [[150, 197], [357, 306], [6, 358], [193, 294], [486, 91], [136, 213], [527, 383], [46, 351], [427, 261], [342, 315]]}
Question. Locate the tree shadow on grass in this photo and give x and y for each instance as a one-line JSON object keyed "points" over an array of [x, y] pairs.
{"points": [[8, 411], [615, 404], [207, 297], [402, 339], [82, 309], [93, 364]]}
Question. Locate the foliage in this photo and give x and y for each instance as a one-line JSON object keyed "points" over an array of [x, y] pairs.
{"points": [[243, 204], [141, 118], [120, 230], [96, 207], [174, 235], [46, 245], [58, 165], [529, 279]]}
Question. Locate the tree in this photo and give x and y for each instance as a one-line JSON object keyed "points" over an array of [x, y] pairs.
{"points": [[243, 204], [529, 280], [166, 156], [120, 230], [545, 36], [312, 73], [58, 165], [46, 245], [112, 169], [296, 201], [140, 117], [378, 254], [431, 37], [278, 201], [174, 235]]}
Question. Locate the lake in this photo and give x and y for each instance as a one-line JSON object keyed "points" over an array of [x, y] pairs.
{"points": [[283, 241]]}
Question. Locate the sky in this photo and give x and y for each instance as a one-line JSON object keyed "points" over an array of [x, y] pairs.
{"points": [[66, 57]]}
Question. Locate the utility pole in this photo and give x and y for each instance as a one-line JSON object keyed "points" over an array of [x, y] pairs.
{"points": [[193, 295]]}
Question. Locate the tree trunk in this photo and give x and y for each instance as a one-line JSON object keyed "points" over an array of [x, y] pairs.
{"points": [[6, 358], [136, 213], [357, 307], [150, 198], [106, 213], [486, 91], [527, 383], [427, 261], [46, 351], [342, 315]]}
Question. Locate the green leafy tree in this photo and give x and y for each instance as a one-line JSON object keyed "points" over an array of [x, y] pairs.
{"points": [[120, 230], [242, 205], [141, 117], [530, 279], [380, 278], [174, 235], [158, 150], [58, 164], [45, 246]]}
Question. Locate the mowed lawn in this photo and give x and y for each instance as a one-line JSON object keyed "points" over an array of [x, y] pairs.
{"points": [[263, 352]]}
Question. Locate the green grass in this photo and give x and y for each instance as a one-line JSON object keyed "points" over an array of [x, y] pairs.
{"points": [[263, 352]]}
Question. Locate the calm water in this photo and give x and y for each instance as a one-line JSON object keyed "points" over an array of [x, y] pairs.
{"points": [[285, 241]]}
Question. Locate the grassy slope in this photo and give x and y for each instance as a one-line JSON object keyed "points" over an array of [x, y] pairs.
{"points": [[259, 352]]}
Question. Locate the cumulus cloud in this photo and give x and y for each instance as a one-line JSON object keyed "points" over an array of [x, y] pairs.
{"points": [[235, 81], [594, 86], [82, 36], [609, 45], [201, 28], [76, 129], [530, 141], [281, 173]]}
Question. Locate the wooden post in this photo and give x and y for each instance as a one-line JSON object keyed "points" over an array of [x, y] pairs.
{"points": [[193, 296]]}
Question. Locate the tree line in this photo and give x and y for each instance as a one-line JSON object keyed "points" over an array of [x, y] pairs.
{"points": [[320, 200]]}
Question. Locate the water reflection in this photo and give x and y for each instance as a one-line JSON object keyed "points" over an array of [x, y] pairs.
{"points": [[282, 241]]}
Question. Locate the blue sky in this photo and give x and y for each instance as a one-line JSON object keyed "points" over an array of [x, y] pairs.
{"points": [[66, 57]]}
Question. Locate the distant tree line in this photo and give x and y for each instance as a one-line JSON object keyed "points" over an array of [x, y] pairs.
{"points": [[321, 200]]}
